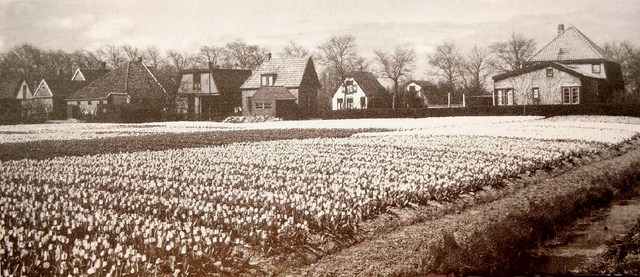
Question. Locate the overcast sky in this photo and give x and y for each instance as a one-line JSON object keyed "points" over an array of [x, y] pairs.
{"points": [[377, 24]]}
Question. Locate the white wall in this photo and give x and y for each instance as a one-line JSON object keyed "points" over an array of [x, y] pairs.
{"points": [[339, 94], [550, 87]]}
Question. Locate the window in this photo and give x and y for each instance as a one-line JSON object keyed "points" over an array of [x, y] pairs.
{"points": [[549, 72], [595, 68], [249, 104], [363, 102], [412, 88], [349, 103], [89, 102], [196, 81], [505, 97], [339, 106], [267, 79], [351, 86], [259, 106], [570, 95], [78, 103], [266, 105], [535, 93], [24, 91]]}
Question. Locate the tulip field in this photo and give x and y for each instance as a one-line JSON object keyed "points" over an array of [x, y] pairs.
{"points": [[207, 209]]}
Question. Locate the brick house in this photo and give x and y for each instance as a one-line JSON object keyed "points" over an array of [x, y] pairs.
{"points": [[211, 92], [569, 70], [296, 75], [363, 91], [131, 85]]}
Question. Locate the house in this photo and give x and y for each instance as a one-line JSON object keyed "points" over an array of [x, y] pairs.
{"points": [[51, 93], [296, 75], [131, 85], [419, 93], [210, 92], [569, 70], [276, 101], [363, 91]]}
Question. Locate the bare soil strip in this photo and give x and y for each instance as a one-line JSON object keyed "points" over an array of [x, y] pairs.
{"points": [[480, 238]]}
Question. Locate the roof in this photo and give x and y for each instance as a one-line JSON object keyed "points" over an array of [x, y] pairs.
{"points": [[132, 78], [9, 88], [565, 68], [570, 45], [421, 83], [289, 72], [269, 93], [91, 75], [367, 82], [226, 80], [62, 88]]}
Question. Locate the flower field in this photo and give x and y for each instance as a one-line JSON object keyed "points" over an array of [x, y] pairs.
{"points": [[205, 210]]}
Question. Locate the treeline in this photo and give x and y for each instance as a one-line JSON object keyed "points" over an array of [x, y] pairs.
{"points": [[451, 69]]}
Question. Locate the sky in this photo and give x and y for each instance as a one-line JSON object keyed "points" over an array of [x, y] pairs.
{"points": [[377, 24]]}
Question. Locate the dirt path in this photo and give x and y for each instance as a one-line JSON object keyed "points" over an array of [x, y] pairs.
{"points": [[411, 248]]}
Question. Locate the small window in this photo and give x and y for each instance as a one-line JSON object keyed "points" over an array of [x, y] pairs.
{"points": [[266, 105], [363, 102], [535, 93], [267, 79], [571, 95], [89, 102], [349, 103], [339, 103], [78, 103], [549, 72], [595, 68], [412, 88], [349, 83]]}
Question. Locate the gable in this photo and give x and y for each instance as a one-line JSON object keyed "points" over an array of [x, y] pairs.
{"points": [[24, 92], [78, 76], [43, 91]]}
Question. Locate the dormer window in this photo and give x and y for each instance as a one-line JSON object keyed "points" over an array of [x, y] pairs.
{"points": [[595, 68], [351, 87], [267, 79]]}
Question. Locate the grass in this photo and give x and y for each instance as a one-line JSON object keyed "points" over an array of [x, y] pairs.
{"points": [[49, 149]]}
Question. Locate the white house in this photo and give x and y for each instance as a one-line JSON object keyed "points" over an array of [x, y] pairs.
{"points": [[363, 91]]}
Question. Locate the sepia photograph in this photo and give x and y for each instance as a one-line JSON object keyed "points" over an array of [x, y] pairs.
{"points": [[319, 138]]}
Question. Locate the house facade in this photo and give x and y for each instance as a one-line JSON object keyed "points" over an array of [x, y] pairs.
{"points": [[131, 85], [360, 90], [51, 93], [211, 92], [297, 75], [569, 70]]}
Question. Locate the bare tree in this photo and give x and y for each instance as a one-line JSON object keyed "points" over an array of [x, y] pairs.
{"points": [[152, 56], [475, 70], [396, 65], [628, 56], [447, 60], [178, 60], [293, 50], [131, 52], [244, 55], [113, 55], [513, 54], [210, 55], [339, 55]]}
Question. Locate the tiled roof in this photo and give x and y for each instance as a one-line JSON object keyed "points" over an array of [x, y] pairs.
{"points": [[9, 88], [228, 81], [270, 93], [368, 82], [63, 88], [132, 78], [570, 70], [289, 72], [91, 75], [569, 45]]}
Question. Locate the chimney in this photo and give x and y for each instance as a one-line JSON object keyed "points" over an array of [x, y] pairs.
{"points": [[560, 28], [139, 59], [103, 65], [267, 57]]}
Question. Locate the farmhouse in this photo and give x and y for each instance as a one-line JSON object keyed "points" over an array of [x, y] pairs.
{"points": [[363, 91], [210, 92], [51, 93], [132, 85], [295, 75], [570, 70], [419, 93]]}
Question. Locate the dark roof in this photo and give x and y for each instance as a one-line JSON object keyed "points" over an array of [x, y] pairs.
{"points": [[368, 82], [270, 93], [541, 65], [91, 75], [132, 78], [63, 88], [9, 88], [422, 83], [229, 80], [289, 72], [570, 45]]}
